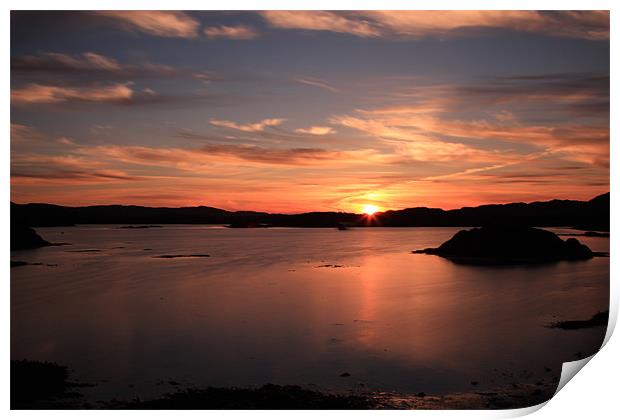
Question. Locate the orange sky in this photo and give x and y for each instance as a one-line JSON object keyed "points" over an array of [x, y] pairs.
{"points": [[304, 111]]}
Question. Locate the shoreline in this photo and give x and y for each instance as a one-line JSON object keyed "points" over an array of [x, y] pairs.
{"points": [[45, 385]]}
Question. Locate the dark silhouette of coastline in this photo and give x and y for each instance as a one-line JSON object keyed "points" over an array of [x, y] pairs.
{"points": [[590, 215]]}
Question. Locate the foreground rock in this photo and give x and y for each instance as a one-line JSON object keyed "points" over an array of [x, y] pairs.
{"points": [[38, 384], [24, 237], [509, 245]]}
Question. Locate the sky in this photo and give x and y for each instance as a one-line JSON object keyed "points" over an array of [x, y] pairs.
{"points": [[285, 111]]}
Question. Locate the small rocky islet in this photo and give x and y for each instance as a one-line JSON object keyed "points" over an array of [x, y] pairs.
{"points": [[498, 245]]}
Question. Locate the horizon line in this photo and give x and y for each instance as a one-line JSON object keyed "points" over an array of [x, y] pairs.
{"points": [[310, 211]]}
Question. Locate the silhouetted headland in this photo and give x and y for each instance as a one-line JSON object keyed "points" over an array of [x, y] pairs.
{"points": [[586, 215], [24, 237], [509, 245]]}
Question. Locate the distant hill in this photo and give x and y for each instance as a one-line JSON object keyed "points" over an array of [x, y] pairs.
{"points": [[587, 215]]}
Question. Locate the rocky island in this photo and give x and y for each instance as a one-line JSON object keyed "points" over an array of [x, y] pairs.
{"points": [[491, 245]]}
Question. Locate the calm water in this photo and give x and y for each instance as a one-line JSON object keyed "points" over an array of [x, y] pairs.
{"points": [[264, 307]]}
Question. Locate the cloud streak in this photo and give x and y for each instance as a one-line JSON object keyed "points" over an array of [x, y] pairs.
{"points": [[316, 130], [23, 133], [320, 21], [581, 93], [318, 83], [35, 168], [436, 138], [248, 128], [110, 93], [593, 25], [192, 158], [45, 94], [241, 32], [78, 66], [170, 24], [430, 125]]}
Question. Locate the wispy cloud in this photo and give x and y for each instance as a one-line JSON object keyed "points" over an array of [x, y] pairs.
{"points": [[412, 141], [320, 21], [70, 176], [316, 130], [68, 169], [428, 128], [101, 67], [22, 133], [231, 32], [111, 93], [160, 23], [248, 128], [194, 158], [66, 141], [592, 25], [318, 83], [46, 94], [574, 24], [582, 93], [84, 61], [27, 138]]}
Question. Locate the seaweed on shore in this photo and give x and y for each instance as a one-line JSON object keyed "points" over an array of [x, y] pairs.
{"points": [[598, 320], [292, 397], [44, 385], [274, 397]]}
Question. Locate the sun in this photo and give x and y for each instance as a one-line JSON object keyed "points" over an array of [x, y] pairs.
{"points": [[369, 209]]}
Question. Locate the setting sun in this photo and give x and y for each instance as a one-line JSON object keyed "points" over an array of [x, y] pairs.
{"points": [[369, 209]]}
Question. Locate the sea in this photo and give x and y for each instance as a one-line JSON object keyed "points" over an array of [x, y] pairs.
{"points": [[141, 312]]}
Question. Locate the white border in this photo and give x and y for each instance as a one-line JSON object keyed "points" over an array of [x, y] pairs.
{"points": [[593, 394]]}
